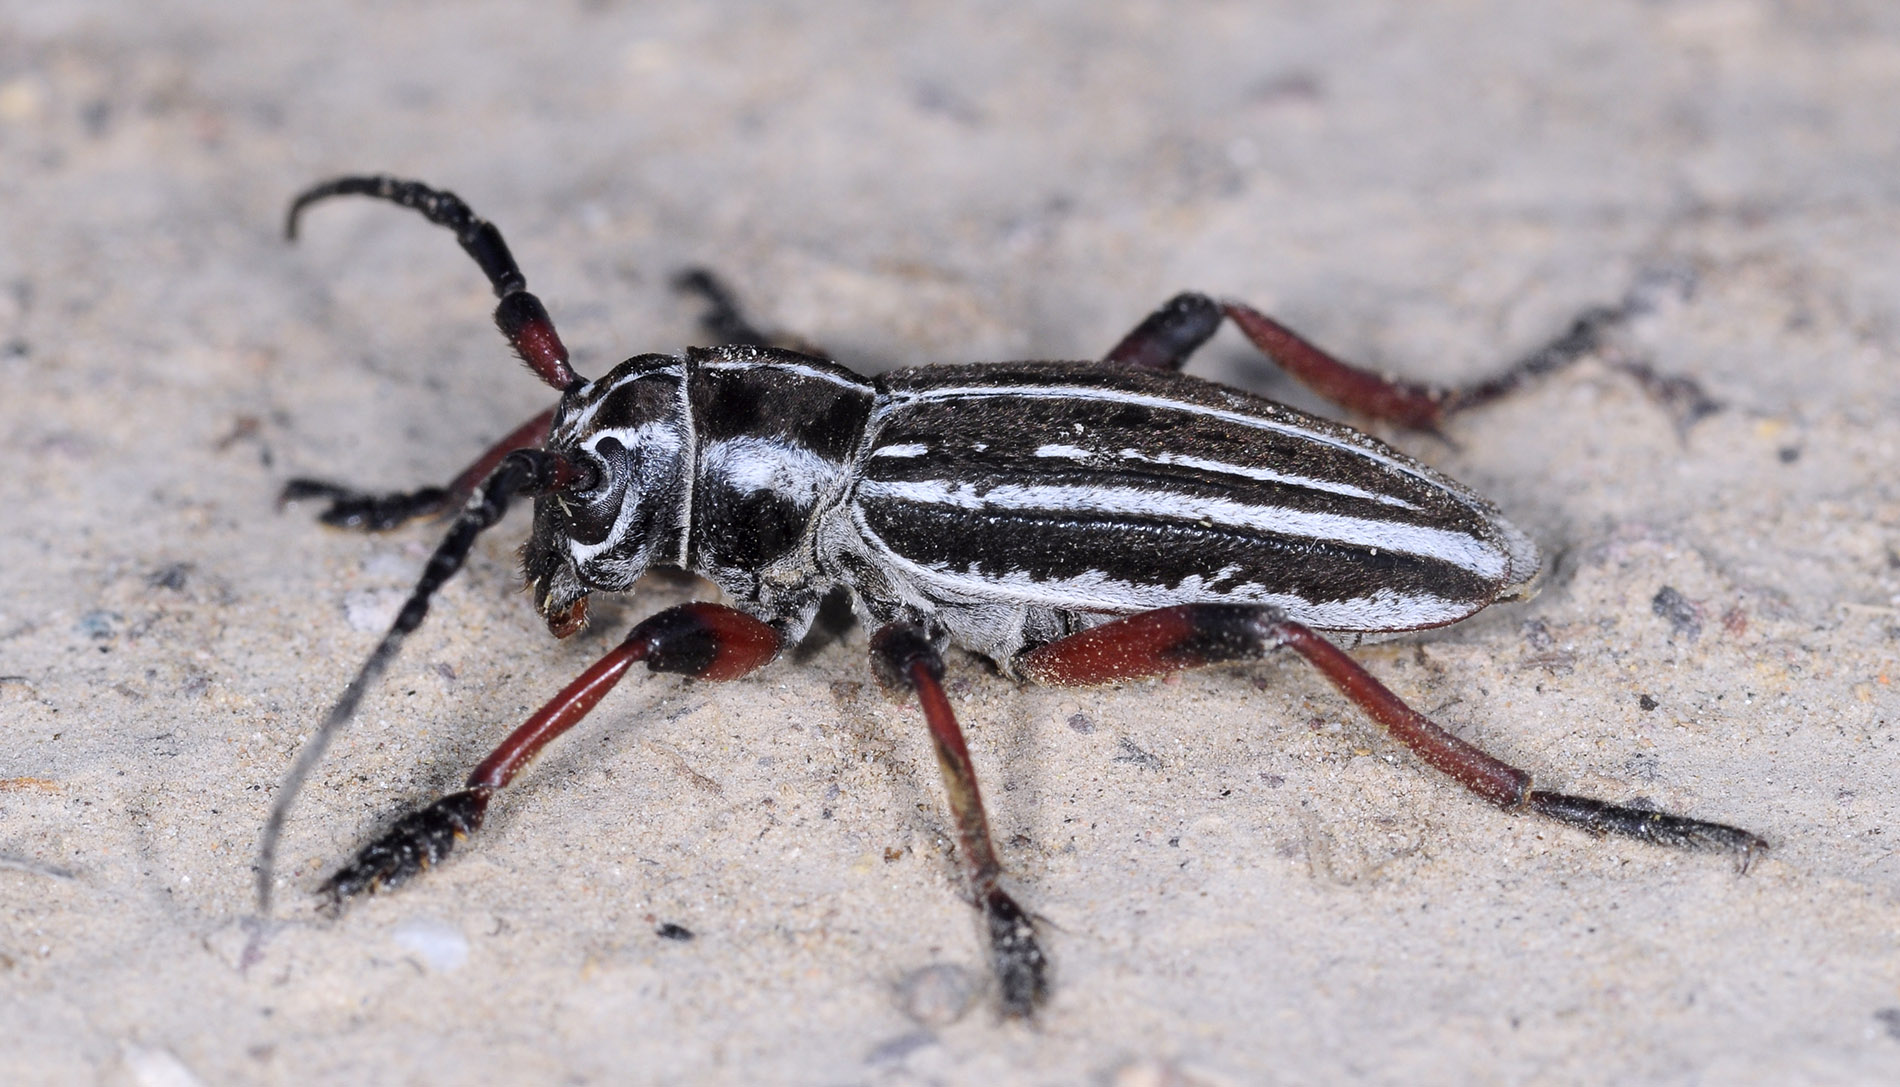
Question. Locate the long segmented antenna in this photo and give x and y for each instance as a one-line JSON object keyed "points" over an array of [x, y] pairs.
{"points": [[520, 315], [523, 472]]}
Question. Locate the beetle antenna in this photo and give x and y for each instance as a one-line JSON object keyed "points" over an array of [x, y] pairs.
{"points": [[520, 315], [523, 472]]}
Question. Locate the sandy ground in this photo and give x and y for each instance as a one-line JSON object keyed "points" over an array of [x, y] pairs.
{"points": [[1241, 881]]}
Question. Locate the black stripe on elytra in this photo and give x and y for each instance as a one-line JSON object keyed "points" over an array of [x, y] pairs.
{"points": [[993, 439], [984, 471], [1052, 545]]}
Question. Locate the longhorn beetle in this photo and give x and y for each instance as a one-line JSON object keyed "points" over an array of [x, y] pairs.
{"points": [[1074, 522]]}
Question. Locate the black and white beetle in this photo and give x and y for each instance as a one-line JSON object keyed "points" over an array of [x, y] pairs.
{"points": [[1074, 522]]}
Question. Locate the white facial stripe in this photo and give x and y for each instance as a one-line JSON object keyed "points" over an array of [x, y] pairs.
{"points": [[653, 439], [583, 423], [1457, 548]]}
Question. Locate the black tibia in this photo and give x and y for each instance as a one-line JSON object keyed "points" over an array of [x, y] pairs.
{"points": [[523, 472], [1191, 635], [1657, 827], [1022, 971], [419, 840], [722, 320], [351, 508], [1586, 335], [1592, 333], [707, 641], [727, 323], [904, 659], [520, 315], [1166, 337]]}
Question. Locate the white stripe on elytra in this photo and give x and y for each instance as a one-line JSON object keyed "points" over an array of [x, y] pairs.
{"points": [[1066, 452], [1457, 548], [1118, 396], [908, 449], [1267, 475], [1245, 471], [1096, 591]]}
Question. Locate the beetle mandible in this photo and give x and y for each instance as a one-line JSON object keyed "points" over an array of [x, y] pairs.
{"points": [[1074, 522]]}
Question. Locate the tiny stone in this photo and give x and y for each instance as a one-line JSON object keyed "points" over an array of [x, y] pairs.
{"points": [[936, 995], [440, 945]]}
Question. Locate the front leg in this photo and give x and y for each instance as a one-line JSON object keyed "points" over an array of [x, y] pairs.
{"points": [[372, 512], [705, 641], [905, 660]]}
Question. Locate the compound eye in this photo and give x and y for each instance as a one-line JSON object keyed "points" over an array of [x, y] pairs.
{"points": [[607, 460], [593, 512]]}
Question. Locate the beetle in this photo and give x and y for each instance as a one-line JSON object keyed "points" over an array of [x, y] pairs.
{"points": [[1073, 522]]}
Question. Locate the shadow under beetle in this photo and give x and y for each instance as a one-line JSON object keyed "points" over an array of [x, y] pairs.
{"points": [[1074, 522]]}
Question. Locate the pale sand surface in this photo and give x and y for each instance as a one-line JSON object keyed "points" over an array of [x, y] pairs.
{"points": [[1277, 895]]}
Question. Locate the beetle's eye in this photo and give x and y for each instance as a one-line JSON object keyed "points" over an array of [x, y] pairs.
{"points": [[598, 470], [592, 504]]}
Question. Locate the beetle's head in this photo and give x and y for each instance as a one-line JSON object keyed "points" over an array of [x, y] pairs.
{"points": [[628, 433]]}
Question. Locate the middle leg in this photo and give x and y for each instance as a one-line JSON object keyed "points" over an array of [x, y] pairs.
{"points": [[905, 660]]}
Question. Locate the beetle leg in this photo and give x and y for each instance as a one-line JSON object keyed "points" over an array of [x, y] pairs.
{"points": [[705, 641], [727, 323], [520, 315], [1165, 338], [351, 508], [1351, 387], [1191, 635], [522, 472], [1423, 406], [905, 660]]}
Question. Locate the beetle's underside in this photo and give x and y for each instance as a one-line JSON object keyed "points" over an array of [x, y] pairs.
{"points": [[1078, 523]]}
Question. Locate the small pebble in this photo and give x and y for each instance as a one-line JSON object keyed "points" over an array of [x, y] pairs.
{"points": [[938, 995], [440, 945]]}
